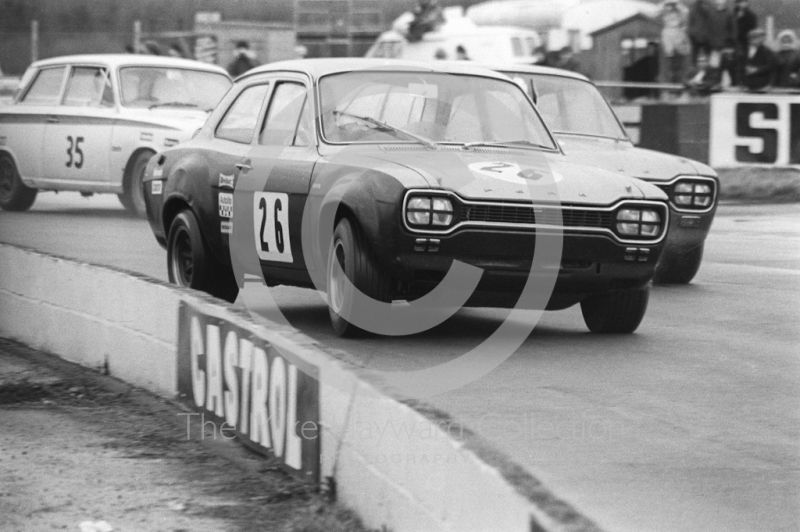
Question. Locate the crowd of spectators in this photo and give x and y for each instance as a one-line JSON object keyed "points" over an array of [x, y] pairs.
{"points": [[712, 45]]}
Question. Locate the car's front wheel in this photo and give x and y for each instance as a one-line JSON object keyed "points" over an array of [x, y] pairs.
{"points": [[678, 268], [132, 197], [615, 312], [14, 194], [191, 263], [350, 258]]}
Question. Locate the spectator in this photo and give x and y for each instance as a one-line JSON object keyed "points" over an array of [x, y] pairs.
{"points": [[746, 21], [461, 53], [788, 60], [175, 50], [428, 16], [703, 79], [712, 28], [440, 55], [674, 38], [567, 61], [761, 62], [540, 53], [643, 70], [244, 60], [152, 48]]}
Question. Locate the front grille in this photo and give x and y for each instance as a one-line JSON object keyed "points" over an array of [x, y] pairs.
{"points": [[529, 215]]}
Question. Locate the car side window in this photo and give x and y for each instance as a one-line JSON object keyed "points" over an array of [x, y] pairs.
{"points": [[46, 88], [239, 123], [89, 87], [281, 124]]}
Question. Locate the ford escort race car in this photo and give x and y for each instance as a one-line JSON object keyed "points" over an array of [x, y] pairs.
{"points": [[589, 132], [379, 177], [90, 123]]}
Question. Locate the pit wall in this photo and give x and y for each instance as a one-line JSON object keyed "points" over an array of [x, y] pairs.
{"points": [[416, 479]]}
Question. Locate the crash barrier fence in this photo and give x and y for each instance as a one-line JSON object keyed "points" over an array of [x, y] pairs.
{"points": [[727, 130], [393, 460]]}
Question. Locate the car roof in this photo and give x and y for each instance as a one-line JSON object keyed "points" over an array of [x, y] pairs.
{"points": [[538, 69], [316, 68], [120, 60]]}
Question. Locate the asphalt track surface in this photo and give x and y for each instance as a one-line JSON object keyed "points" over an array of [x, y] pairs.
{"points": [[693, 423]]}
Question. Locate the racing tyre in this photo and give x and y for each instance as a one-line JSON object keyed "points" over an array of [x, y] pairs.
{"points": [[191, 263], [133, 196], [679, 268], [14, 195], [615, 312], [349, 249]]}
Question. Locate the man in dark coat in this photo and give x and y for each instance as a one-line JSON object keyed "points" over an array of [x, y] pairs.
{"points": [[243, 61], [712, 27], [746, 21], [761, 63]]}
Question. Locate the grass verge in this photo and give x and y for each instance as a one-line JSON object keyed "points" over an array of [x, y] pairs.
{"points": [[760, 184]]}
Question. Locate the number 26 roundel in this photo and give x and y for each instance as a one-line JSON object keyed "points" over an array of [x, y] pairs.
{"points": [[271, 226]]}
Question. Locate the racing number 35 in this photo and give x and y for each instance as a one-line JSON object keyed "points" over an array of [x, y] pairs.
{"points": [[271, 226], [75, 152]]}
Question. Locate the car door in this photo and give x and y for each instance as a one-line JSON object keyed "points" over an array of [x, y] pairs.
{"points": [[283, 160], [25, 128], [78, 133], [234, 137]]}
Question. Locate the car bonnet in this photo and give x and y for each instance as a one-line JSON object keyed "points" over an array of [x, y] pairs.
{"points": [[624, 159], [512, 175]]}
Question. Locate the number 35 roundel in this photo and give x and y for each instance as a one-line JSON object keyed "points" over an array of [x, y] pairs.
{"points": [[271, 226]]}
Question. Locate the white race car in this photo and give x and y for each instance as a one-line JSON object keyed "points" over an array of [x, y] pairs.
{"points": [[90, 123]]}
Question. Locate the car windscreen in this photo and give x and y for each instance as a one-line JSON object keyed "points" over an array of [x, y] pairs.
{"points": [[151, 87], [573, 106], [391, 106]]}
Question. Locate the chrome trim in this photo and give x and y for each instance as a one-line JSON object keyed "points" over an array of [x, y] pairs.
{"points": [[674, 180], [615, 206]]}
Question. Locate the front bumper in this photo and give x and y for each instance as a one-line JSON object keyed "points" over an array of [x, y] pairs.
{"points": [[589, 264]]}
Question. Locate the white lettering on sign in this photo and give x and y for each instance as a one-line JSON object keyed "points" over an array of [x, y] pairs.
{"points": [[225, 205], [237, 382], [271, 226]]}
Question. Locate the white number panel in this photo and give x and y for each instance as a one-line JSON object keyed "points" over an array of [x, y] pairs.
{"points": [[271, 226]]}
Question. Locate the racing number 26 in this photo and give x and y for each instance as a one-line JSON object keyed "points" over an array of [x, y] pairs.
{"points": [[271, 226], [75, 152]]}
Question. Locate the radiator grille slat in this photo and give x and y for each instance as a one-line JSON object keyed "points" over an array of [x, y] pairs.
{"points": [[528, 215]]}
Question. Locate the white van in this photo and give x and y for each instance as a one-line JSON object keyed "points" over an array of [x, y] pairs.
{"points": [[486, 44]]}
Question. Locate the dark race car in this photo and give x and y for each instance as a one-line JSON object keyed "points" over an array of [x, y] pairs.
{"points": [[590, 133], [378, 181]]}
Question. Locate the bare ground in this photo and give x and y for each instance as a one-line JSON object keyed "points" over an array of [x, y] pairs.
{"points": [[77, 447]]}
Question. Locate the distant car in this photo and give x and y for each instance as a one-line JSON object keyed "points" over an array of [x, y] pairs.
{"points": [[90, 123], [433, 165], [590, 133]]}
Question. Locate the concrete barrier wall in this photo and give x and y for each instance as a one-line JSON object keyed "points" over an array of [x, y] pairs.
{"points": [[393, 461]]}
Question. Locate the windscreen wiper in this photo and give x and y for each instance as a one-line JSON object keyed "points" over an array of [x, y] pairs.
{"points": [[506, 143], [424, 140]]}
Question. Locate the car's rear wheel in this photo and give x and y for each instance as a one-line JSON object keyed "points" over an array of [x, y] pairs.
{"points": [[191, 264], [679, 268], [133, 196], [615, 312], [14, 194], [350, 251]]}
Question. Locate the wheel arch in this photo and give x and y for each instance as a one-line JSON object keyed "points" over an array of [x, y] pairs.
{"points": [[129, 166]]}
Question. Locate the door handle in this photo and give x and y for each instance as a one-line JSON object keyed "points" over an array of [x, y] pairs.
{"points": [[52, 120], [243, 167]]}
